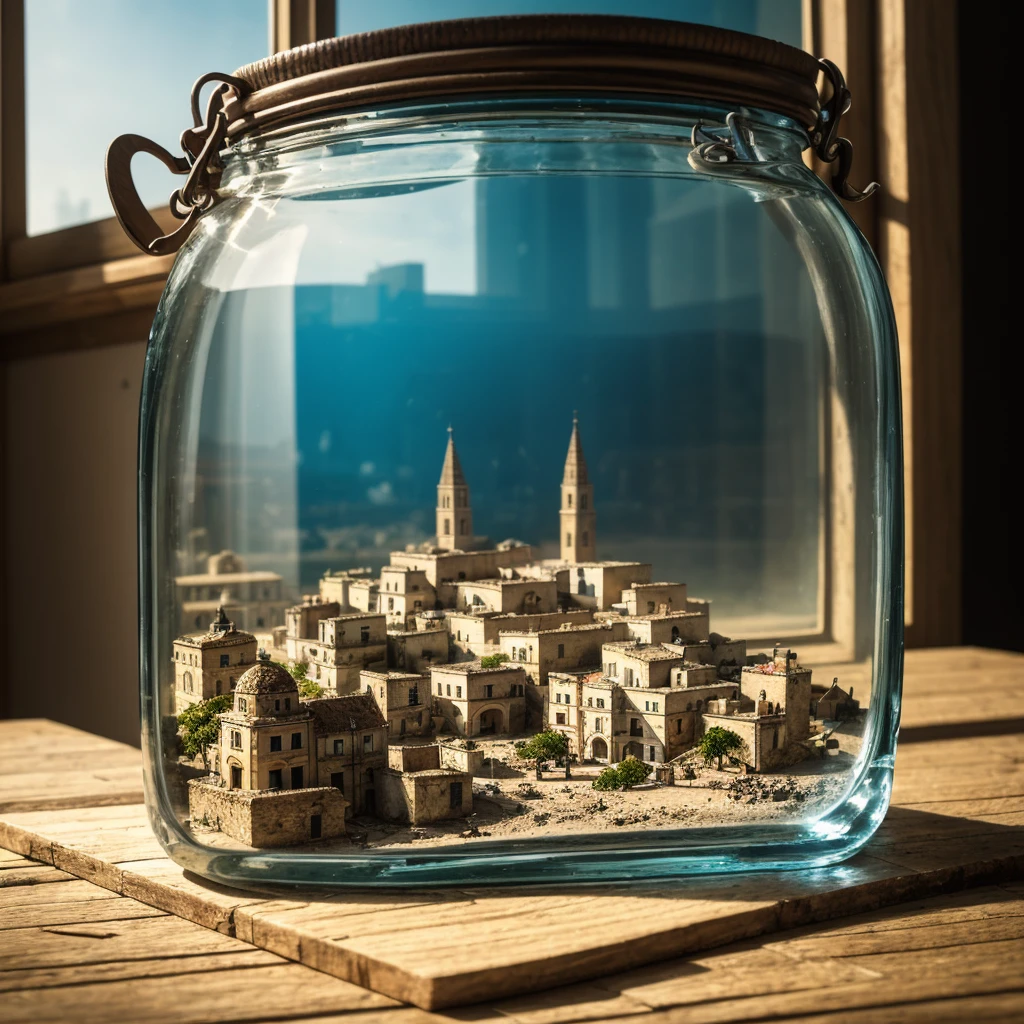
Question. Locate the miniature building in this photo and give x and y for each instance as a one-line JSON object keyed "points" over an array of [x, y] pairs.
{"points": [[473, 701], [345, 645], [334, 586], [669, 627], [655, 598], [836, 704], [787, 688], [403, 593], [454, 515], [419, 788], [302, 622], [525, 597], [479, 633], [404, 700], [599, 585], [208, 664], [363, 595], [570, 646], [577, 518], [351, 747], [267, 792], [416, 650], [255, 598]]}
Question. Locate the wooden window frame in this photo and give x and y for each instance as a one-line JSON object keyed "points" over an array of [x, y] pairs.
{"points": [[86, 285]]}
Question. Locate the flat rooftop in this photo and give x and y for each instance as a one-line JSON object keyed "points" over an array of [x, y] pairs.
{"points": [[644, 652]]}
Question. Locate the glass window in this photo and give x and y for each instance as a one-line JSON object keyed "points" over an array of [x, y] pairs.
{"points": [[275, 743], [97, 70]]}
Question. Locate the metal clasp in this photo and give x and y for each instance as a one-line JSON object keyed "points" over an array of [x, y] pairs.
{"points": [[201, 145], [828, 146]]}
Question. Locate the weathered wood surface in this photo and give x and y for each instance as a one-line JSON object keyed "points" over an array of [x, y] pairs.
{"points": [[955, 957], [955, 822]]}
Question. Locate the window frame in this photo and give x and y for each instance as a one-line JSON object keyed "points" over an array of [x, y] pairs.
{"points": [[87, 286]]}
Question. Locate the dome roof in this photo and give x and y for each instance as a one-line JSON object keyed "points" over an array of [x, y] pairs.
{"points": [[265, 677]]}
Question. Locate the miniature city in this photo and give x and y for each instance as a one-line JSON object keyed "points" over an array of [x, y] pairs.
{"points": [[474, 692]]}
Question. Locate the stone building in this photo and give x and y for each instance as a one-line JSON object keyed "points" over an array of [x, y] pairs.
{"points": [[351, 747], [479, 633], [443, 569], [267, 791], [417, 650], [454, 514], [655, 599], [302, 622], [345, 645], [404, 699], [402, 594], [570, 646], [256, 599], [577, 518], [522, 596], [473, 701], [210, 663], [786, 686], [335, 586], [599, 585], [418, 787], [670, 627], [835, 704]]}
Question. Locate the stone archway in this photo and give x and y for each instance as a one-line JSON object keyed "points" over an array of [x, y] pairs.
{"points": [[490, 722], [599, 750]]}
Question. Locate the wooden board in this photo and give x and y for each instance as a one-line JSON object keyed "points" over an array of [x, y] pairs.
{"points": [[956, 821], [954, 957]]}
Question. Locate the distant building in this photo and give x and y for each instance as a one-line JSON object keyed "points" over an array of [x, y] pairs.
{"points": [[417, 650], [577, 518], [454, 514], [255, 599], [210, 663], [419, 787]]}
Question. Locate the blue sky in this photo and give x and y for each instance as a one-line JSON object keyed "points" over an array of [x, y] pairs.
{"points": [[96, 69]]}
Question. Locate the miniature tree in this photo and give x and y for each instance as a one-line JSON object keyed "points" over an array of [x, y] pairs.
{"points": [[718, 742], [310, 689], [199, 726], [630, 771], [299, 670], [545, 746], [493, 660], [633, 772]]}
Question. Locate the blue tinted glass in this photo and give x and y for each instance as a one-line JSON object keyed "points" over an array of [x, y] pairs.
{"points": [[777, 19]]}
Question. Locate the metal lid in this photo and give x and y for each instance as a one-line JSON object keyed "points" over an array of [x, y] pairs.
{"points": [[529, 54]]}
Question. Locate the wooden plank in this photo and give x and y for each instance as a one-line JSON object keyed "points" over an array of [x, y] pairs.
{"points": [[956, 821], [272, 992]]}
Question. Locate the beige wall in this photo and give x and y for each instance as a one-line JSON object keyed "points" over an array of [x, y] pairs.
{"points": [[70, 480]]}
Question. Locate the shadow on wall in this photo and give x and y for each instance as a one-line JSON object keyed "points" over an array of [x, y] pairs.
{"points": [[71, 563]]}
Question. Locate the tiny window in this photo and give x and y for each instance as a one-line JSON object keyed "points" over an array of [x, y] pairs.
{"points": [[600, 702], [287, 703], [561, 650], [560, 718], [368, 743], [296, 741], [243, 704], [339, 748], [458, 691], [275, 743], [449, 685], [225, 660], [236, 739], [275, 779], [277, 705]]}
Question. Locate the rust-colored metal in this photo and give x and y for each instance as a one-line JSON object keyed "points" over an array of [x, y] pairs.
{"points": [[578, 55]]}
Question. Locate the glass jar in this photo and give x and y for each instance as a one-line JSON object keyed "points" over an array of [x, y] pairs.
{"points": [[518, 406]]}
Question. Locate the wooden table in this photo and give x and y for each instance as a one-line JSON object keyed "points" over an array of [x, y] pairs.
{"points": [[927, 924]]}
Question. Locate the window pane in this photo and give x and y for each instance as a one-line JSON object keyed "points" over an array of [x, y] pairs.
{"points": [[98, 69], [777, 19]]}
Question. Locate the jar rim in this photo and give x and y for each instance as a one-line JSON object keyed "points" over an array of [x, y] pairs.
{"points": [[508, 55]]}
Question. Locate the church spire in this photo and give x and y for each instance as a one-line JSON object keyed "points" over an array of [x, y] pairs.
{"points": [[576, 515], [454, 515]]}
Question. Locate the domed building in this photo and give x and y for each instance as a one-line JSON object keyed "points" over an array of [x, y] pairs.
{"points": [[210, 663]]}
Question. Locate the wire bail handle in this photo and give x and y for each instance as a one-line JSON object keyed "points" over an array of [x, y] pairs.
{"points": [[201, 145]]}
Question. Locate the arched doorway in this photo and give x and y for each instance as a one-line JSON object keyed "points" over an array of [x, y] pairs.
{"points": [[599, 749], [490, 722]]}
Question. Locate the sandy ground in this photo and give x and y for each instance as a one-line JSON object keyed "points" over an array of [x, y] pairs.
{"points": [[511, 803]]}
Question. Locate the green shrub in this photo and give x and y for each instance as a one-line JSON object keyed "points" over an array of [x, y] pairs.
{"points": [[628, 772], [199, 725], [493, 660]]}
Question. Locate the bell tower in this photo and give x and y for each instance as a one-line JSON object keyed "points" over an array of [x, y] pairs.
{"points": [[454, 515], [577, 519]]}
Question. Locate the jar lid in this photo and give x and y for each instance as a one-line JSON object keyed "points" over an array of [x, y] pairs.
{"points": [[517, 54], [529, 53]]}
